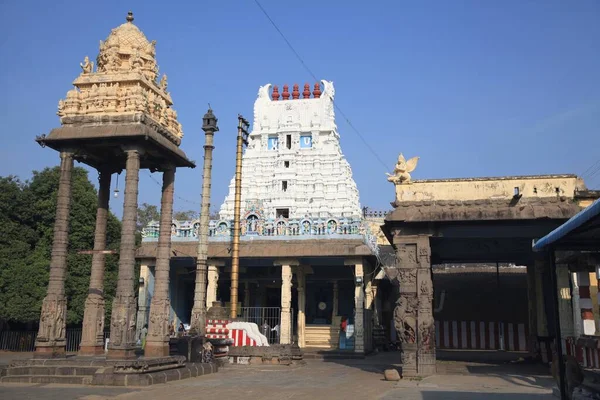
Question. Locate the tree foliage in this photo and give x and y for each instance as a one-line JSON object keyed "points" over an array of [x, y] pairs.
{"points": [[146, 213], [27, 214]]}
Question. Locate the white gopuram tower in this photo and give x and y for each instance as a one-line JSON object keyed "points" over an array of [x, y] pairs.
{"points": [[293, 166]]}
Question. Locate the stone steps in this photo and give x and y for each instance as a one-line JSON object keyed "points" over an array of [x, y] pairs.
{"points": [[66, 370], [63, 379], [321, 337]]}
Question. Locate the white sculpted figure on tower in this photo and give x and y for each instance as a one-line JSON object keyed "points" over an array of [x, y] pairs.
{"points": [[402, 170]]}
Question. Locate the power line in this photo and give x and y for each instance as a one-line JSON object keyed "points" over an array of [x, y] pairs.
{"points": [[343, 114], [178, 197], [591, 167]]}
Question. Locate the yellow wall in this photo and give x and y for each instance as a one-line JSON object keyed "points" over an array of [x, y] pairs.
{"points": [[489, 188]]}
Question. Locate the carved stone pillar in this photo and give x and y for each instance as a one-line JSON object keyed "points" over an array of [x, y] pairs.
{"points": [[285, 333], [92, 337], [51, 341], [359, 301], [122, 322], [413, 315], [213, 282], [157, 342], [334, 312], [301, 319]]}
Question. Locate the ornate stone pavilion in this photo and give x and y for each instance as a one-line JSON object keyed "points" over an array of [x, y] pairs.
{"points": [[118, 116], [306, 251]]}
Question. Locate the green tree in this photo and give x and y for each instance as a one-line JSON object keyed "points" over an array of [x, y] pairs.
{"points": [[24, 265], [188, 215], [146, 213]]}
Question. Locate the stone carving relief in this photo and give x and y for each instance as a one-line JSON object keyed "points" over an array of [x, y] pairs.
{"points": [[123, 321], [52, 320], [402, 170], [407, 254], [87, 66], [159, 319], [405, 321], [426, 333]]}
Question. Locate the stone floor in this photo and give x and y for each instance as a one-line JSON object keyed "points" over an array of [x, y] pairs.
{"points": [[336, 379]]}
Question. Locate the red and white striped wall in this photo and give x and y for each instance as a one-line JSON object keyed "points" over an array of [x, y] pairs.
{"points": [[479, 335], [588, 357]]}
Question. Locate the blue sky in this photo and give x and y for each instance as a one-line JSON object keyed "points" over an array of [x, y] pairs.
{"points": [[475, 88]]}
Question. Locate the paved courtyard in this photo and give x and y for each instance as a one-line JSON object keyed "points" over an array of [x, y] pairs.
{"points": [[353, 379]]}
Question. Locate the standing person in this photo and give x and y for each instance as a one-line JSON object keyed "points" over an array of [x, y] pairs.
{"points": [[181, 329], [143, 335], [343, 327]]}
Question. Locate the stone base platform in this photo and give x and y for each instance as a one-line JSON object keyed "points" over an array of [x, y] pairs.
{"points": [[282, 354], [101, 371]]}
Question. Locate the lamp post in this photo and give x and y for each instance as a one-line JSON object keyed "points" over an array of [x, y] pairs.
{"points": [[242, 139], [198, 320]]}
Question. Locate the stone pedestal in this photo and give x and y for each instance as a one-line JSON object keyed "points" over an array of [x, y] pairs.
{"points": [[413, 315], [92, 337], [51, 341], [157, 342], [122, 323]]}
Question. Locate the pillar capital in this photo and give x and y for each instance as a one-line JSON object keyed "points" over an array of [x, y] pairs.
{"points": [[286, 261]]}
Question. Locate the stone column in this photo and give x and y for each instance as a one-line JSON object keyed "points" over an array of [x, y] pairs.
{"points": [[92, 337], [213, 281], [334, 312], [376, 303], [359, 299], [577, 321], [246, 294], [542, 324], [51, 341], [285, 333], [141, 319], [413, 314], [564, 301], [122, 322], [532, 342], [301, 319], [157, 342]]}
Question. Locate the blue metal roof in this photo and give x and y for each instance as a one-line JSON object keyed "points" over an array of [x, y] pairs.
{"points": [[577, 221]]}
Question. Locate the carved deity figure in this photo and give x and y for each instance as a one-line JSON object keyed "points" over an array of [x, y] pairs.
{"points": [[136, 62], [163, 82], [426, 333], [405, 322], [402, 170], [87, 65]]}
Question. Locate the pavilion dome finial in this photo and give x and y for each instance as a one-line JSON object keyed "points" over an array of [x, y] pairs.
{"points": [[129, 17]]}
